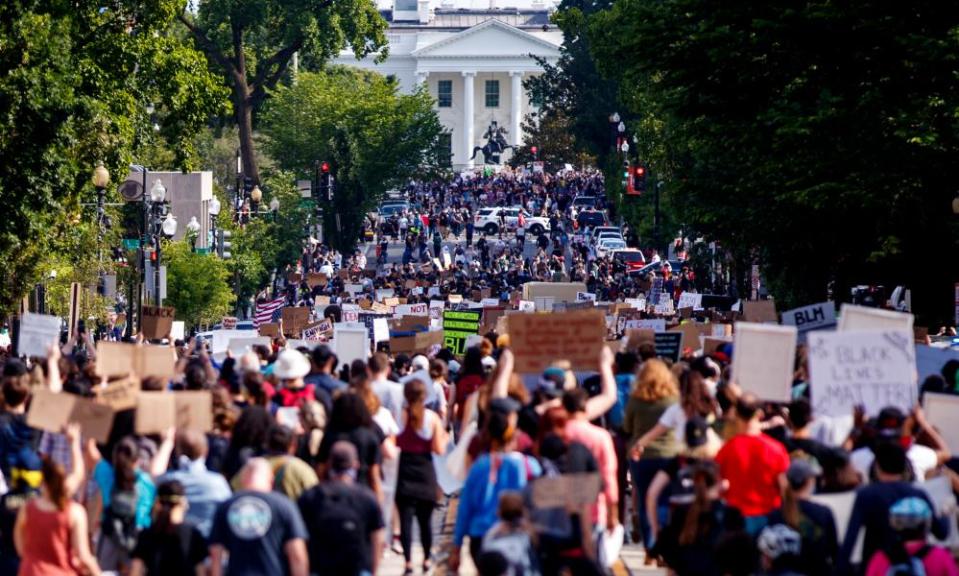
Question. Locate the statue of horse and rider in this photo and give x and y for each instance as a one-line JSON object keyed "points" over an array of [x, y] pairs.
{"points": [[495, 145]]}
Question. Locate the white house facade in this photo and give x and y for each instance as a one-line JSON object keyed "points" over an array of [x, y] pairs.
{"points": [[473, 61]]}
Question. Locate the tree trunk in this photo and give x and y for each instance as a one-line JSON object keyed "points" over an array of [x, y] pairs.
{"points": [[243, 110]]}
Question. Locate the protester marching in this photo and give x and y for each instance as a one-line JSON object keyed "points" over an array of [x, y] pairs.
{"points": [[498, 382]]}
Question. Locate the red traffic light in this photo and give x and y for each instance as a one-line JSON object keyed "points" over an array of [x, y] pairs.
{"points": [[640, 171], [325, 167], [534, 149]]}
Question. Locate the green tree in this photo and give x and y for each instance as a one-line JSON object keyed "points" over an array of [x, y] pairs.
{"points": [[251, 43], [197, 285], [552, 135], [374, 138], [820, 138], [75, 79]]}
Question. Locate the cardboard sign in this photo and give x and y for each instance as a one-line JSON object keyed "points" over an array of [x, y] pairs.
{"points": [[760, 312], [194, 410], [458, 325], [119, 395], [122, 359], [229, 323], [690, 300], [539, 339], [51, 412], [420, 342], [668, 345], [321, 300], [294, 278], [455, 298], [764, 360], [314, 279], [270, 330], [691, 332], [558, 291], [865, 318], [37, 332], [942, 411], [870, 368], [815, 317], [157, 322], [712, 344], [156, 413], [294, 319], [316, 331], [566, 490]]}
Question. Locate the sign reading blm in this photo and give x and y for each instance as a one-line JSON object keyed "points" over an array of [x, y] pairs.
{"points": [[814, 317], [874, 369], [458, 325]]}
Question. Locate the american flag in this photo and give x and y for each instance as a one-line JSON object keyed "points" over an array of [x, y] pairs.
{"points": [[265, 311]]}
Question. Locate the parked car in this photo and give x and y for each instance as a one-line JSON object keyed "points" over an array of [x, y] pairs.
{"points": [[605, 246], [628, 260], [488, 220]]}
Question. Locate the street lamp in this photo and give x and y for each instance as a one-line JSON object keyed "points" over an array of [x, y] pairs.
{"points": [[214, 210], [255, 196], [192, 231], [169, 225], [101, 179], [158, 192], [161, 223], [275, 207]]}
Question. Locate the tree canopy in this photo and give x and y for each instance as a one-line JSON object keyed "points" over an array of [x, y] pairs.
{"points": [[819, 138], [197, 285], [374, 138]]}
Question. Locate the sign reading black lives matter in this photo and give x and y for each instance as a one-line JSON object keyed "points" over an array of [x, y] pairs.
{"points": [[874, 369], [458, 325]]}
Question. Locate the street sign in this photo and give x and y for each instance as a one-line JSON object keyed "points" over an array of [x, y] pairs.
{"points": [[130, 243]]}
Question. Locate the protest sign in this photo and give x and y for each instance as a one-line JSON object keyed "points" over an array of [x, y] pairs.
{"points": [[814, 317], [721, 330], [51, 412], [321, 300], [872, 368], [942, 411], [585, 297], [178, 330], [559, 291], [567, 491], [229, 323], [433, 291], [419, 342], [157, 322], [156, 413], [760, 312], [119, 395], [690, 300], [638, 303], [764, 358], [294, 278], [454, 298], [350, 344], [436, 309], [353, 289], [712, 344], [350, 313], [864, 318], [412, 310], [691, 332], [391, 301], [294, 319], [381, 330], [654, 324], [458, 325], [240, 346], [270, 330], [220, 339], [489, 302], [526, 306], [664, 306], [314, 279], [37, 332], [317, 331], [121, 359], [194, 410], [668, 345], [635, 337], [841, 507], [939, 490], [539, 339], [655, 291]]}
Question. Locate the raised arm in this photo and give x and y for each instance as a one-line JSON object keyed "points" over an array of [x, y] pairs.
{"points": [[504, 369], [599, 405], [54, 383], [75, 478]]}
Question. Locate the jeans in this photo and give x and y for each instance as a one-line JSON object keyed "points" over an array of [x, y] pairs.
{"points": [[642, 472]]}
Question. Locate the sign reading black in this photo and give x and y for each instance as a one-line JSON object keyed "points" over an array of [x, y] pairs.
{"points": [[668, 345]]}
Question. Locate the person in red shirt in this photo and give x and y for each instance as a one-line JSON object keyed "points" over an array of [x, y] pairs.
{"points": [[753, 465]]}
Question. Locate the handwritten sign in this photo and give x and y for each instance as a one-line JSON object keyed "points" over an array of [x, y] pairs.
{"points": [[412, 310], [317, 331], [37, 332], [865, 318], [539, 339], [668, 345], [314, 279], [690, 300], [585, 297], [270, 330], [119, 395], [294, 319], [156, 413], [194, 410], [157, 322], [458, 326], [229, 323], [656, 291], [814, 317], [872, 368], [942, 411], [763, 362]]}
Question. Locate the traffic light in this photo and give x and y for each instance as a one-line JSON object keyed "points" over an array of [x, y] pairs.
{"points": [[534, 150], [223, 243], [639, 179], [324, 178]]}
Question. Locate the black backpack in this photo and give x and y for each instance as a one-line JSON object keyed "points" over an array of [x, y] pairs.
{"points": [[120, 519], [337, 531]]}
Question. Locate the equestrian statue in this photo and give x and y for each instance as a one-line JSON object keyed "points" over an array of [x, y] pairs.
{"points": [[495, 144]]}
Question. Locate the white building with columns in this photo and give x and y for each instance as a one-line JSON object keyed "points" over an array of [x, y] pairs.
{"points": [[473, 60]]}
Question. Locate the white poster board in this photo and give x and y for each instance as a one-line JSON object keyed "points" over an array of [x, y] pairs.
{"points": [[240, 346], [813, 317], [763, 360], [526, 306], [871, 368], [585, 297], [942, 411], [349, 344], [37, 332], [864, 318], [381, 330], [654, 324], [178, 331], [841, 506], [690, 300], [220, 340], [421, 309]]}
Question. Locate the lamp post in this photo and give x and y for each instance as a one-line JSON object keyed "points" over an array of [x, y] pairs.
{"points": [[614, 120], [256, 195], [214, 210], [101, 179], [239, 174], [192, 231], [162, 223]]}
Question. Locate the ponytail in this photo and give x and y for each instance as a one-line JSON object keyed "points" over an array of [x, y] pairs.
{"points": [[691, 527], [791, 508]]}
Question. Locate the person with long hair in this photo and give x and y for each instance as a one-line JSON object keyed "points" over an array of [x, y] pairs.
{"points": [[247, 439], [814, 522], [655, 392], [351, 421], [170, 545], [51, 529], [123, 503], [471, 377], [417, 491]]}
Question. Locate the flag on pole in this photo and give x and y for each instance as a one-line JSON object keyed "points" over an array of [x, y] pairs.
{"points": [[264, 311]]}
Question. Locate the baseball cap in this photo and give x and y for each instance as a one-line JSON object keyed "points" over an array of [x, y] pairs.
{"points": [[801, 470], [890, 420], [697, 431]]}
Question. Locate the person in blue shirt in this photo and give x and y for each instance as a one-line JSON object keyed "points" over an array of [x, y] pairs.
{"points": [[501, 470], [204, 489]]}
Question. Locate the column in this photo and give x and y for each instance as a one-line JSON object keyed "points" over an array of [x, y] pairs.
{"points": [[421, 77], [516, 108], [468, 118]]}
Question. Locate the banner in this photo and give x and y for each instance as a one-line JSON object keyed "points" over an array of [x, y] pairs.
{"points": [[870, 368], [37, 332], [814, 317], [764, 360], [539, 339], [458, 325]]}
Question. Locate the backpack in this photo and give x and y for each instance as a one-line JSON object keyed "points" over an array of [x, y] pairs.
{"points": [[337, 528], [120, 519], [908, 565]]}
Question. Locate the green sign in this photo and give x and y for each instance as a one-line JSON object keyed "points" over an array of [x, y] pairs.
{"points": [[458, 325], [130, 243]]}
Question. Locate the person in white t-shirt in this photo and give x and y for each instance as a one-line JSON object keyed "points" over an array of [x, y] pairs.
{"points": [[389, 392], [892, 425]]}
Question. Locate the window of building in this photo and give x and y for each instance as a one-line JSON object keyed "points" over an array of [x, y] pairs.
{"points": [[444, 93], [492, 93], [445, 152]]}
